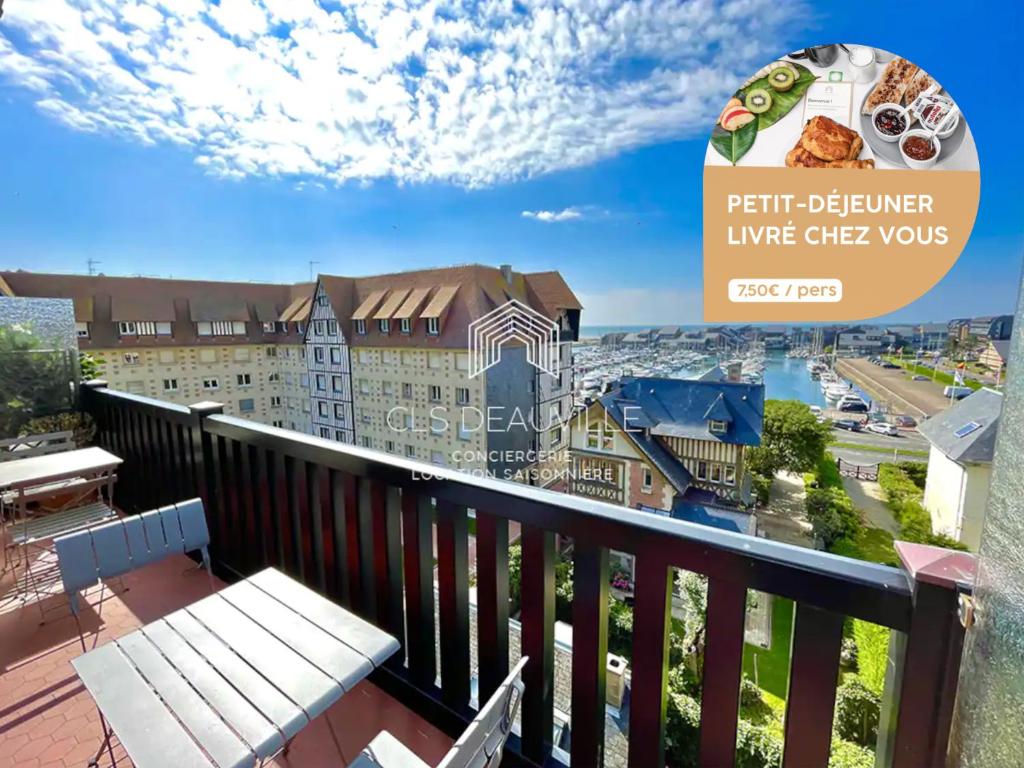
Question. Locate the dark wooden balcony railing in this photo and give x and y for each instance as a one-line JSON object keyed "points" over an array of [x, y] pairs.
{"points": [[357, 525]]}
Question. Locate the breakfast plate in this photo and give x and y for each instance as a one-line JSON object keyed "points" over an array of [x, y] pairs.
{"points": [[890, 150]]}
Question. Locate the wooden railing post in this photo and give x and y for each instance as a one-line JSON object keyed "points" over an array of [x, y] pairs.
{"points": [[931, 661], [203, 461]]}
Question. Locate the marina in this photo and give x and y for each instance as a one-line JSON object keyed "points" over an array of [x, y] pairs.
{"points": [[786, 377]]}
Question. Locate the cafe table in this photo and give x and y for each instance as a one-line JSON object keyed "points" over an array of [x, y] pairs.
{"points": [[230, 680]]}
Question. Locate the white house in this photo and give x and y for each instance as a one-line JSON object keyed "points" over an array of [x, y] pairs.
{"points": [[962, 441]]}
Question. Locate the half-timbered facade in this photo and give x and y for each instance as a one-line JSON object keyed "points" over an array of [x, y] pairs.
{"points": [[660, 443]]}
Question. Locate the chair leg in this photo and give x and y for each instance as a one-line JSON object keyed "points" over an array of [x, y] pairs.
{"points": [[334, 735]]}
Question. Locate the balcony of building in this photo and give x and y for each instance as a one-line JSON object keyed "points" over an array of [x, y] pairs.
{"points": [[392, 540]]}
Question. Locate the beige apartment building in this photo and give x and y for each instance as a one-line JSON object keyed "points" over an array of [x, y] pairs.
{"points": [[187, 340], [379, 361]]}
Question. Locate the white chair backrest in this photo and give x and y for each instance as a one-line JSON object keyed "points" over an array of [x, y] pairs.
{"points": [[481, 745], [14, 448], [112, 549]]}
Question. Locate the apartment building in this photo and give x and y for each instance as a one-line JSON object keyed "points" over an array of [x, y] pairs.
{"points": [[187, 340], [389, 368], [379, 361]]}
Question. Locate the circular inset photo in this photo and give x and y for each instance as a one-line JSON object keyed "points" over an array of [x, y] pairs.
{"points": [[842, 106]]}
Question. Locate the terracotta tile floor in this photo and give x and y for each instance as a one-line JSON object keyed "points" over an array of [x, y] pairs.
{"points": [[48, 719]]}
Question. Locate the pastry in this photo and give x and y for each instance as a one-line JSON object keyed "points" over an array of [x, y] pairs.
{"points": [[892, 85], [828, 140], [798, 157]]}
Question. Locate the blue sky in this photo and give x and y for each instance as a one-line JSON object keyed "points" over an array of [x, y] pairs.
{"points": [[186, 139]]}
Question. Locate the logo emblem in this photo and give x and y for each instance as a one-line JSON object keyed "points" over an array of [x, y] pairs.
{"points": [[513, 321]]}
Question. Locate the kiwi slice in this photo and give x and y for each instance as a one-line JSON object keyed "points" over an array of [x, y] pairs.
{"points": [[758, 101], [781, 79]]}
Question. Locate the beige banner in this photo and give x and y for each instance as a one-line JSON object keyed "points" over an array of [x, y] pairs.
{"points": [[829, 244]]}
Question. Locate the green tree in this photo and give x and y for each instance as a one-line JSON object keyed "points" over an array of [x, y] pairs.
{"points": [[90, 367], [792, 439], [34, 381]]}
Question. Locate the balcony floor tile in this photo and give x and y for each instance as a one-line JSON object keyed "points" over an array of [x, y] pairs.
{"points": [[47, 718]]}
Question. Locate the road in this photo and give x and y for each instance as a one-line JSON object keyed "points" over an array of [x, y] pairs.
{"points": [[908, 440]]}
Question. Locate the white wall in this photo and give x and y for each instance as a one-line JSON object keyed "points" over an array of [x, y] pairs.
{"points": [[955, 495], [944, 492]]}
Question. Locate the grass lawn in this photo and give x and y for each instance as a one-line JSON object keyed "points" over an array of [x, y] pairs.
{"points": [[940, 376], [773, 663], [880, 449], [871, 544]]}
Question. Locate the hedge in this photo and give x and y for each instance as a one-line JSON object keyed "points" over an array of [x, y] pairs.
{"points": [[902, 485], [757, 746], [831, 514], [857, 712], [762, 488]]}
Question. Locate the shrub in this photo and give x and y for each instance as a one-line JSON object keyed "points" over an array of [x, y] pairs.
{"points": [[897, 486], [831, 514], [857, 713], [872, 654], [756, 746], [848, 654], [80, 425], [902, 485], [563, 591], [682, 730], [515, 576], [916, 472], [762, 488], [750, 694], [848, 755], [620, 628]]}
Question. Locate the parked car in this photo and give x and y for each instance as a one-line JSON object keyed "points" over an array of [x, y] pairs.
{"points": [[854, 406], [889, 365], [905, 421], [956, 392], [919, 377], [850, 424], [883, 428]]}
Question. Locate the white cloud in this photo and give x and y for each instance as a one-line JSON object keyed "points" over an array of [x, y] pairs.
{"points": [[566, 214], [472, 92]]}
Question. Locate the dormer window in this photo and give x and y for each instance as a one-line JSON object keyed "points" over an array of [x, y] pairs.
{"points": [[384, 325], [361, 327], [405, 325], [717, 427], [433, 326]]}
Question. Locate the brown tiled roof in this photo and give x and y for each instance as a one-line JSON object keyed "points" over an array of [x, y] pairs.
{"points": [[459, 294], [101, 300], [214, 308], [297, 311], [129, 307]]}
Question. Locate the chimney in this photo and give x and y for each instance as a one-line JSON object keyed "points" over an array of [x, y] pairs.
{"points": [[734, 372], [506, 272]]}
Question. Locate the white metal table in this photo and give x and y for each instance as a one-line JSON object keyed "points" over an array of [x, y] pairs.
{"points": [[230, 680], [75, 474]]}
